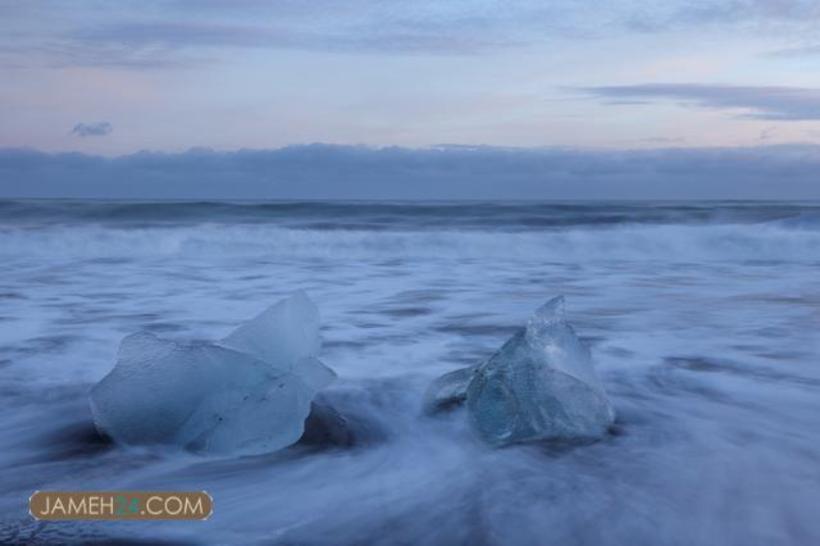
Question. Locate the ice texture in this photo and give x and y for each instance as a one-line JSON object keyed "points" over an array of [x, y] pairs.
{"points": [[249, 393], [448, 391], [539, 386]]}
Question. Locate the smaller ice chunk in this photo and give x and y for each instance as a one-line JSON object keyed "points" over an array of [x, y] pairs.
{"points": [[250, 393], [539, 386]]}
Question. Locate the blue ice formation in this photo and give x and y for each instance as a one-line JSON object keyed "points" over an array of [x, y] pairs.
{"points": [[249, 393], [539, 386]]}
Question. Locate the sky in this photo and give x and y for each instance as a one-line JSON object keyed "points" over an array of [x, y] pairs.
{"points": [[607, 82]]}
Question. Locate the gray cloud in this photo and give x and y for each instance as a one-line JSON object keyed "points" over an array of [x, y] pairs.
{"points": [[796, 52], [348, 172], [758, 13], [761, 102], [98, 128], [173, 36]]}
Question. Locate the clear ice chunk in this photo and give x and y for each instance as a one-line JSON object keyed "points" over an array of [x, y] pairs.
{"points": [[539, 386], [248, 394], [283, 334]]}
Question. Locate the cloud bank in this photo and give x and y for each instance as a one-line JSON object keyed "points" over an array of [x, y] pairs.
{"points": [[350, 172]]}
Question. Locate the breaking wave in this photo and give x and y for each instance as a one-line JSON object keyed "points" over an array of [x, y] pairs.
{"points": [[765, 241]]}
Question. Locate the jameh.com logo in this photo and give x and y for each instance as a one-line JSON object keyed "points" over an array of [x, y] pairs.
{"points": [[130, 505]]}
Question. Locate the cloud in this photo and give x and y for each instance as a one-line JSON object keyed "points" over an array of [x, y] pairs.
{"points": [[461, 172], [98, 128], [183, 34], [163, 33], [759, 102], [796, 52], [173, 36], [732, 12]]}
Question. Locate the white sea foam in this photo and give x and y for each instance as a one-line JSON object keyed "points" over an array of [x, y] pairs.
{"points": [[659, 242], [704, 337]]}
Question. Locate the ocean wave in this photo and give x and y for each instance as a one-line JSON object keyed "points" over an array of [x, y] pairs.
{"points": [[507, 216], [769, 241]]}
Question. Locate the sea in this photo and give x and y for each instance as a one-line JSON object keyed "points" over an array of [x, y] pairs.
{"points": [[703, 319]]}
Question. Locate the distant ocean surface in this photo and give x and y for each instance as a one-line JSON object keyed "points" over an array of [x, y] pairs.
{"points": [[703, 319]]}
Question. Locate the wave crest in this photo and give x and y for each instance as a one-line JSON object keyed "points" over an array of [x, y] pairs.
{"points": [[666, 242]]}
